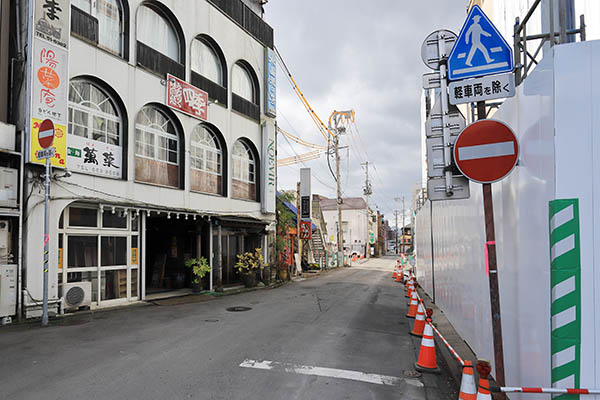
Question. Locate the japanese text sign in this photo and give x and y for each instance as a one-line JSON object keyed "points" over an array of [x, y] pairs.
{"points": [[186, 98], [50, 76], [305, 230], [480, 89]]}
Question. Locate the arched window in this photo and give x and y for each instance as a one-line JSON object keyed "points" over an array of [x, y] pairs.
{"points": [[245, 90], [206, 161], [108, 16], [157, 148], [209, 69], [156, 32], [242, 83], [244, 171], [206, 61], [95, 129]]}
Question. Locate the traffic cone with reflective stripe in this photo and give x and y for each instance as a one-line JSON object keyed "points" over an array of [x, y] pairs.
{"points": [[395, 274], [398, 278], [427, 361], [484, 368], [409, 289], [414, 304], [468, 390], [419, 321]]}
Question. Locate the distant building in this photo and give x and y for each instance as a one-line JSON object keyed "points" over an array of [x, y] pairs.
{"points": [[354, 223]]}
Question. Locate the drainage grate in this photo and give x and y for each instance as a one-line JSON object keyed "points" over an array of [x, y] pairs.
{"points": [[238, 309], [411, 374], [211, 320]]}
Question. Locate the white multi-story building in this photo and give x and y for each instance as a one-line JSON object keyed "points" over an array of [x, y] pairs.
{"points": [[157, 173], [356, 226]]}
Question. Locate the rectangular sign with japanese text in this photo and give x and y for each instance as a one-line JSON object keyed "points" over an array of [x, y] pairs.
{"points": [[480, 89], [93, 157], [50, 76], [186, 98]]}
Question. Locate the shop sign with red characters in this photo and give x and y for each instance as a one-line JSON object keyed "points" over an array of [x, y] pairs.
{"points": [[50, 76], [186, 98], [305, 230]]}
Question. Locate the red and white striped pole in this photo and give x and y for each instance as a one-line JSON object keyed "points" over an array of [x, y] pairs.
{"points": [[543, 390]]}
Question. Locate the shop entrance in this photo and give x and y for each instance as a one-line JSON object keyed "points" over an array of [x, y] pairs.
{"points": [[170, 243]]}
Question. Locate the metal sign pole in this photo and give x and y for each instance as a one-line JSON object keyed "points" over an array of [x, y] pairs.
{"points": [[46, 245], [490, 243], [444, 99]]}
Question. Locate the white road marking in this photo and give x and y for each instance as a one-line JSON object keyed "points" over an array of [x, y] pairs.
{"points": [[328, 372], [486, 150]]}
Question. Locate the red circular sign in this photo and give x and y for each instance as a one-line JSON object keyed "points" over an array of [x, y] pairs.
{"points": [[486, 151], [46, 133]]}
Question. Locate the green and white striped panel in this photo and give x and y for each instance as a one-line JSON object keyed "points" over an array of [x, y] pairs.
{"points": [[565, 281]]}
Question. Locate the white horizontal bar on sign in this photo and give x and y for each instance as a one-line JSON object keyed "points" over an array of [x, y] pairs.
{"points": [[481, 68], [486, 151]]}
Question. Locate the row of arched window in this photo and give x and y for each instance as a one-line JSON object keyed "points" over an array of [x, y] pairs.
{"points": [[159, 147], [161, 49]]}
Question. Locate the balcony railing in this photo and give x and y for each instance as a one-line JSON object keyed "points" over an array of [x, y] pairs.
{"points": [[84, 25], [214, 90], [157, 62], [245, 107], [247, 19]]}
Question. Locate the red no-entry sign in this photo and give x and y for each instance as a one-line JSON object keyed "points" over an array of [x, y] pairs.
{"points": [[46, 133], [486, 151]]}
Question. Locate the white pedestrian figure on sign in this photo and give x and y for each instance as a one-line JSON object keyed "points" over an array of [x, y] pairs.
{"points": [[475, 31]]}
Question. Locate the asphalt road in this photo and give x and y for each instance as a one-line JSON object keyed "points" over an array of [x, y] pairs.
{"points": [[342, 335]]}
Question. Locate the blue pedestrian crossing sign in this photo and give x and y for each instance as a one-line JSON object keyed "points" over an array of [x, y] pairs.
{"points": [[479, 50]]}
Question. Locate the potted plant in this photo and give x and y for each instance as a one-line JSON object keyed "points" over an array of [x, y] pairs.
{"points": [[247, 265], [200, 268]]}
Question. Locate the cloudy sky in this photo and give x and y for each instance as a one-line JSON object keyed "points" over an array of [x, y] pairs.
{"points": [[366, 56]]}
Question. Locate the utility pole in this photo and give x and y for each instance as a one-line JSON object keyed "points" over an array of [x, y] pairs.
{"points": [[402, 248], [396, 242], [338, 117], [298, 219], [367, 191]]}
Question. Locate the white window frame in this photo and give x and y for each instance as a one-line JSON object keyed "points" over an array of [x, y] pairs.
{"points": [[156, 134], [98, 232], [199, 150], [251, 163], [91, 112]]}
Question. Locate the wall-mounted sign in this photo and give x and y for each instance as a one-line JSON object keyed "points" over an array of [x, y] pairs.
{"points": [[52, 21], [49, 66], [305, 230], [305, 194], [93, 157], [271, 92], [186, 98], [269, 168]]}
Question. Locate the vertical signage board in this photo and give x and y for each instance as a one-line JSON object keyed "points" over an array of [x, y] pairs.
{"points": [[305, 194], [50, 76], [271, 92], [269, 168]]}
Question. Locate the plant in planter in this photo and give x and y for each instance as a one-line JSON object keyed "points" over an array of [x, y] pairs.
{"points": [[247, 265], [200, 268]]}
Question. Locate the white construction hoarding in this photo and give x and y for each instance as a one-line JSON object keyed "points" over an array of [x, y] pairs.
{"points": [[556, 115]]}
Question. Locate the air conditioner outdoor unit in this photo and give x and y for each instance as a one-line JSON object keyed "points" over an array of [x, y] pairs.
{"points": [[76, 294]]}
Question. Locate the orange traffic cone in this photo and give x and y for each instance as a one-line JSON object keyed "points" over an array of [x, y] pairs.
{"points": [[419, 321], [414, 304], [398, 278], [427, 361], [395, 274], [484, 368], [468, 390]]}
